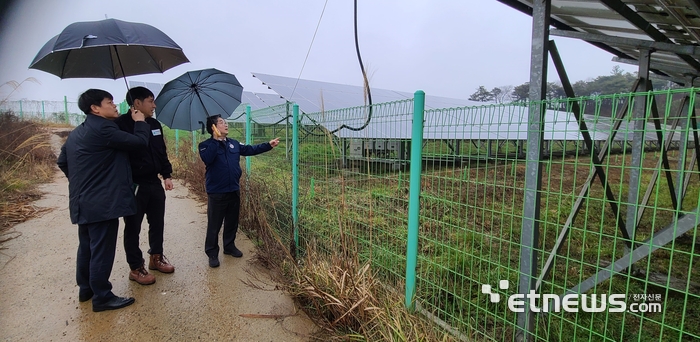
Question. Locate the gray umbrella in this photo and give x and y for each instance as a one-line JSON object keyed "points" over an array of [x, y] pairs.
{"points": [[187, 101], [108, 48]]}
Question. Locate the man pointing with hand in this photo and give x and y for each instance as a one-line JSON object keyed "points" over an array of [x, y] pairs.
{"points": [[221, 156]]}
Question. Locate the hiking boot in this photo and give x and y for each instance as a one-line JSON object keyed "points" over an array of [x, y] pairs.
{"points": [[160, 263], [141, 276]]}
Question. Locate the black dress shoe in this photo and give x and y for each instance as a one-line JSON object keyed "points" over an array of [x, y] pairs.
{"points": [[84, 296], [113, 304], [214, 261], [236, 253]]}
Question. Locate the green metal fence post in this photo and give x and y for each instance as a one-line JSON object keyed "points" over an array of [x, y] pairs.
{"points": [[194, 141], [65, 109], [177, 142], [286, 131], [414, 197], [21, 113], [295, 173], [43, 112], [248, 138]]}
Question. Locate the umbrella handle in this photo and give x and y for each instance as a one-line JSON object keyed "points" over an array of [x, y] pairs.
{"points": [[203, 127], [128, 93]]}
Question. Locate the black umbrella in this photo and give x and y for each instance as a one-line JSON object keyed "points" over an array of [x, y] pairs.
{"points": [[108, 48], [187, 101]]}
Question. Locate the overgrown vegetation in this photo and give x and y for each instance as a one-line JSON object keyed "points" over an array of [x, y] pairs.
{"points": [[26, 159]]}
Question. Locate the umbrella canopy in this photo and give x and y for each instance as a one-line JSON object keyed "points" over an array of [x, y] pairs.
{"points": [[108, 48], [187, 101]]}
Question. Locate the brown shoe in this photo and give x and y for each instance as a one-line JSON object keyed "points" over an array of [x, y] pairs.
{"points": [[142, 276], [160, 263]]}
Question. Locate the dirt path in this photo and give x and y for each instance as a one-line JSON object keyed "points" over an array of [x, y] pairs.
{"points": [[38, 294]]}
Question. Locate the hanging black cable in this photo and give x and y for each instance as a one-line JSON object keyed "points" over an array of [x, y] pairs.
{"points": [[366, 87]]}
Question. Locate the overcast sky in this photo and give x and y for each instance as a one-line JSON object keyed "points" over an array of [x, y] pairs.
{"points": [[444, 47]]}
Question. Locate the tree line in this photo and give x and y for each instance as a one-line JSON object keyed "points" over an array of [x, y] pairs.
{"points": [[618, 81]]}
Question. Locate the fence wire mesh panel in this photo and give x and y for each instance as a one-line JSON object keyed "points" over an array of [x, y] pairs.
{"points": [[472, 200], [58, 112], [353, 184], [271, 172]]}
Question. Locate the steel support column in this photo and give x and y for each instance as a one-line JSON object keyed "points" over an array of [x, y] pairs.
{"points": [[654, 178], [598, 155], [529, 237], [682, 152], [639, 115]]}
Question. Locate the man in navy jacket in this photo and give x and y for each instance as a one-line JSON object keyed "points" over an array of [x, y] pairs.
{"points": [[221, 155], [96, 163]]}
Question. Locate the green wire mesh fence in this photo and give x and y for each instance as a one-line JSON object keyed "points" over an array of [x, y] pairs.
{"points": [[354, 188]]}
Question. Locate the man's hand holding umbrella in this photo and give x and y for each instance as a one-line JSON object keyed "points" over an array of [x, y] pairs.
{"points": [[137, 115]]}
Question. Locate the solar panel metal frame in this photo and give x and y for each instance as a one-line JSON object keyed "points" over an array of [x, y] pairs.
{"points": [[669, 21]]}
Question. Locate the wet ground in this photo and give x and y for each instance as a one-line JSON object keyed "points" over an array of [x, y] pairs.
{"points": [[39, 297]]}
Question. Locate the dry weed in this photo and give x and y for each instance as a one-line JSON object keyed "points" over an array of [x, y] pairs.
{"points": [[26, 159]]}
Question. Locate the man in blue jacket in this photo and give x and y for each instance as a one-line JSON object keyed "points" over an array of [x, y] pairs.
{"points": [[221, 155], [96, 163]]}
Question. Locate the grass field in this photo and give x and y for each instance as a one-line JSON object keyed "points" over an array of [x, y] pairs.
{"points": [[470, 235]]}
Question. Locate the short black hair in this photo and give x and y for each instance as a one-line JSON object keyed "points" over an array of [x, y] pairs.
{"points": [[92, 97], [212, 120], [137, 93]]}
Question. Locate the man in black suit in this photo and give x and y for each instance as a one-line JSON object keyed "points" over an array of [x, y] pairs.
{"points": [[96, 162], [146, 165]]}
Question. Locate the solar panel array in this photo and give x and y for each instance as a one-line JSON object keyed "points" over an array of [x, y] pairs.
{"points": [[488, 123], [256, 101], [445, 118], [314, 96]]}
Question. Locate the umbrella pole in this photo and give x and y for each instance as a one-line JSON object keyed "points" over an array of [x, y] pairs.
{"points": [[206, 112], [128, 93], [202, 102]]}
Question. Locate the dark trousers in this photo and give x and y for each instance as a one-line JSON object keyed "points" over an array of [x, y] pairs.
{"points": [[222, 208], [150, 201], [96, 249]]}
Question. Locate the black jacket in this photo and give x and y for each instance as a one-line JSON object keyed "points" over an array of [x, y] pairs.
{"points": [[222, 160], [147, 163], [96, 162]]}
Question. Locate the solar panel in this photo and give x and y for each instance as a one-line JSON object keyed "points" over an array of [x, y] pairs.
{"points": [[313, 96], [255, 102]]}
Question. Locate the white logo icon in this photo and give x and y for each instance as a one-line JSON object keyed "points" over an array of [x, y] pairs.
{"points": [[495, 297]]}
